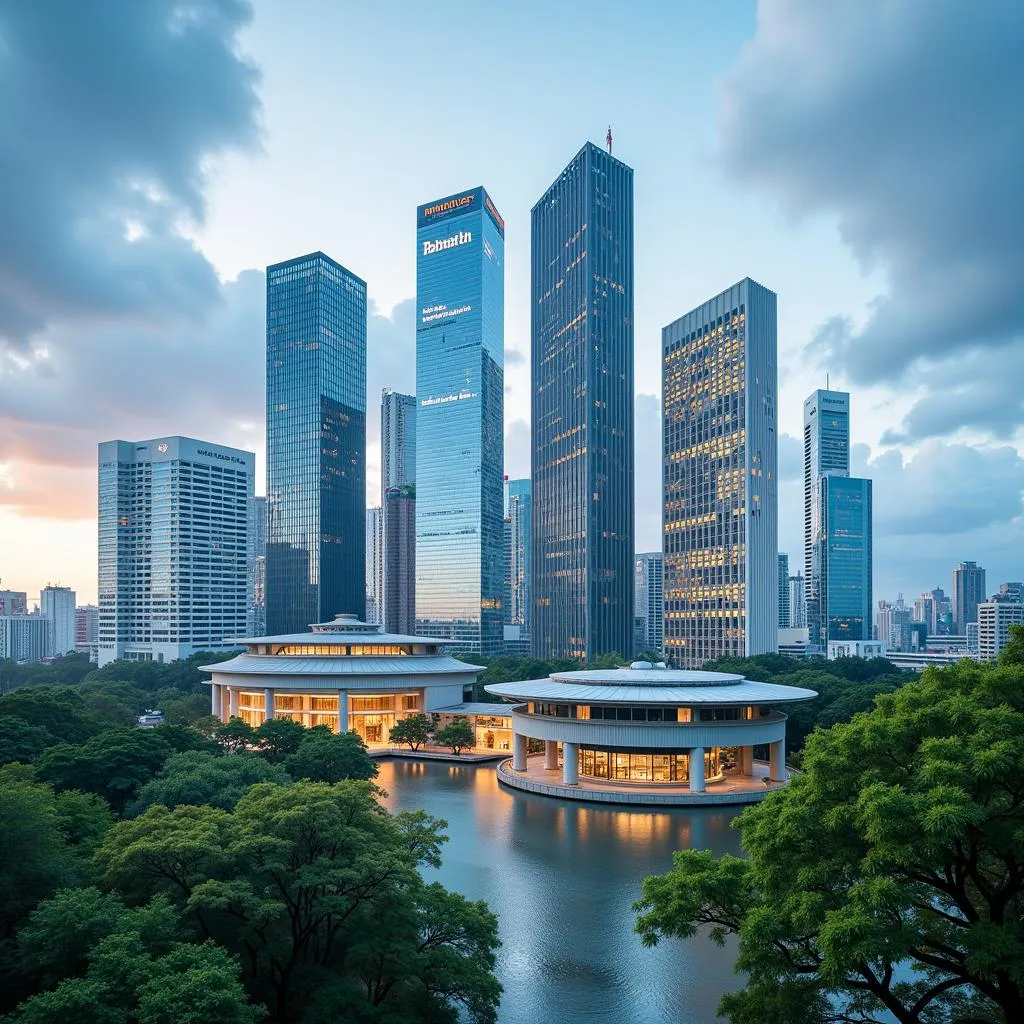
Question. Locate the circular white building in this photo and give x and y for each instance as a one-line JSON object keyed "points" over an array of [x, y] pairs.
{"points": [[648, 734]]}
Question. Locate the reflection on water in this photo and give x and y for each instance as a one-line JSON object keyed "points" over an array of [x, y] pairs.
{"points": [[562, 878]]}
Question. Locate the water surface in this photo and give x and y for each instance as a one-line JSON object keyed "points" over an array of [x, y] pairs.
{"points": [[562, 877]]}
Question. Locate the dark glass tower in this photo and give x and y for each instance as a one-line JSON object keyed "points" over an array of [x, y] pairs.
{"points": [[460, 298], [316, 443], [845, 595], [582, 429]]}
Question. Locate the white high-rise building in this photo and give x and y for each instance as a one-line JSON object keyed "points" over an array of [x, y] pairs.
{"points": [[720, 515], [173, 547], [994, 621], [58, 605], [87, 630], [797, 602], [649, 603], [374, 565], [24, 638]]}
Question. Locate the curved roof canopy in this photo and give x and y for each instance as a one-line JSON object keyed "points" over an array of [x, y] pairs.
{"points": [[343, 629]]}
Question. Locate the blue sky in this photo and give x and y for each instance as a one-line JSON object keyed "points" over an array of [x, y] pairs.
{"points": [[862, 159]]}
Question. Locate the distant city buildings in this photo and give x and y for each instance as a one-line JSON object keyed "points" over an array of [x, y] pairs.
{"points": [[892, 624], [785, 613], [375, 565], [398, 501], [257, 568], [57, 604], [797, 602], [87, 630], [316, 443], [173, 547], [649, 603], [24, 638], [582, 410], [994, 621], [13, 602], [520, 519], [1011, 592], [720, 498], [968, 592], [460, 289]]}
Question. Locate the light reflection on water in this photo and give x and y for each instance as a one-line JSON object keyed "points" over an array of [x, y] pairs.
{"points": [[562, 878]]}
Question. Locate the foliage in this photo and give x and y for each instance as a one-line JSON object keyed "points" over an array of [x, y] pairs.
{"points": [[204, 778], [413, 730], [457, 734], [325, 756], [22, 742], [62, 713], [278, 739], [317, 888], [65, 671], [888, 877]]}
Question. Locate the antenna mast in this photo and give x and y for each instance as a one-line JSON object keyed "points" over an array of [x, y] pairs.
{"points": [[608, 139]]}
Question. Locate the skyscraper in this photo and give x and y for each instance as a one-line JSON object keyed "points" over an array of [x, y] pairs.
{"points": [[460, 299], [968, 593], [316, 442], [398, 501], [720, 453], [797, 602], [520, 515], [87, 630], [844, 588], [826, 450], [649, 602], [785, 615], [582, 423], [58, 605], [173, 546], [257, 567], [375, 565]]}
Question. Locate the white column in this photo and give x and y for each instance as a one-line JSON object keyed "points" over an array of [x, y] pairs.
{"points": [[215, 700], [232, 702], [268, 704], [342, 711], [571, 764], [777, 764], [518, 752], [697, 770], [222, 711], [551, 755]]}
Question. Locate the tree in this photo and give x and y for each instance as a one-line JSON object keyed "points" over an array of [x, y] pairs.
{"points": [[235, 735], [888, 878], [457, 734], [324, 756], [279, 738], [413, 730], [62, 713], [1013, 652], [202, 778], [22, 742]]}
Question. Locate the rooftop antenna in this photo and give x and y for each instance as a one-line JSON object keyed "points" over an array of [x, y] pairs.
{"points": [[826, 383], [608, 139]]}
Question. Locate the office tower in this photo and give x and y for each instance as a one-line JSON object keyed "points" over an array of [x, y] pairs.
{"points": [[968, 593], [925, 611], [460, 301], [797, 602], [972, 639], [173, 544], [883, 622], [720, 452], [1011, 592], [256, 565], [994, 621], [943, 612], [13, 602], [316, 443], [785, 611], [826, 450], [582, 410], [87, 630], [520, 514], [844, 583], [649, 602], [23, 637], [374, 565], [58, 605], [400, 559], [398, 478], [506, 561]]}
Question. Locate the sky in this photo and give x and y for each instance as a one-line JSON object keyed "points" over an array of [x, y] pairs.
{"points": [[862, 158]]}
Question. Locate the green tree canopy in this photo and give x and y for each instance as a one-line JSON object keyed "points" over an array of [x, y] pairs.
{"points": [[413, 730], [22, 742], [62, 713], [324, 756], [279, 738], [889, 877], [457, 734]]}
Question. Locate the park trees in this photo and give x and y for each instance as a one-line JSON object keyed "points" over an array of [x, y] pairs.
{"points": [[457, 734], [413, 730], [888, 878], [325, 756]]}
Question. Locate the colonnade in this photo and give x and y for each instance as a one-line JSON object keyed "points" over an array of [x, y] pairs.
{"points": [[224, 703]]}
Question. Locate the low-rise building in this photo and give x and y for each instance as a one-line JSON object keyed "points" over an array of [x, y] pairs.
{"points": [[994, 621], [855, 649]]}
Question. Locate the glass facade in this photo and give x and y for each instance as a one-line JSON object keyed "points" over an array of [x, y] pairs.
{"points": [[633, 766], [720, 516], [316, 443], [582, 410], [846, 606], [460, 286], [520, 524]]}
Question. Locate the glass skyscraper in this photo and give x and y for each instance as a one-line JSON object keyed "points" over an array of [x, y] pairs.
{"points": [[845, 590], [582, 424], [316, 443], [721, 489], [520, 520], [398, 501], [460, 299]]}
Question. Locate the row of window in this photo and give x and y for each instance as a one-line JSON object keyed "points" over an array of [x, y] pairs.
{"points": [[631, 713]]}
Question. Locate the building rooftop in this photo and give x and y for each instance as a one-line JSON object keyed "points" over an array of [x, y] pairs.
{"points": [[326, 665], [343, 628]]}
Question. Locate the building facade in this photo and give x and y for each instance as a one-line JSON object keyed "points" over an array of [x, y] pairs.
{"points": [[844, 582], [375, 564], [797, 602], [649, 602], [581, 330], [460, 300], [257, 567], [994, 621], [87, 630], [13, 602], [316, 442], [173, 547], [58, 605], [720, 450], [520, 517], [398, 483], [968, 592], [785, 613], [24, 638]]}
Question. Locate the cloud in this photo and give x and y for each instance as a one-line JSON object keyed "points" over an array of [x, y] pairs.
{"points": [[513, 357], [901, 119]]}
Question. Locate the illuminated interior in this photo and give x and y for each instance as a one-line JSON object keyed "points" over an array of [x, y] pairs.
{"points": [[646, 767]]}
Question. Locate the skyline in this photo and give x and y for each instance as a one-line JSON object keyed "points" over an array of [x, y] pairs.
{"points": [[78, 319]]}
